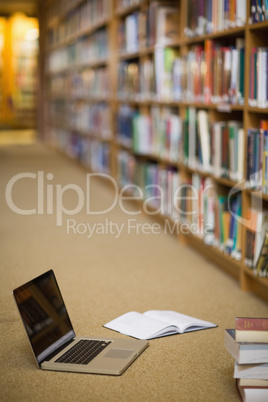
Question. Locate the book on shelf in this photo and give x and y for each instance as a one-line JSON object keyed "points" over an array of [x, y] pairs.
{"points": [[258, 11], [129, 80], [99, 157], [156, 323], [233, 245], [252, 390], [264, 155], [83, 52], [125, 117], [251, 329], [205, 17], [158, 184], [82, 18], [210, 74], [131, 31], [141, 134], [257, 157], [258, 81], [256, 227], [156, 134], [91, 119], [167, 25], [196, 215], [90, 152], [261, 266], [127, 3], [222, 222], [162, 23], [87, 85], [209, 212], [147, 80], [164, 58], [212, 216], [216, 147], [203, 130], [227, 225], [245, 352], [126, 168]]}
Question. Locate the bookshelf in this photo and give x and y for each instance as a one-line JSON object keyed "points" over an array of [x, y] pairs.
{"points": [[166, 108]]}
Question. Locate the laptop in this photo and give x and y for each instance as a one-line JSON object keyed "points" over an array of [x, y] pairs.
{"points": [[53, 340]]}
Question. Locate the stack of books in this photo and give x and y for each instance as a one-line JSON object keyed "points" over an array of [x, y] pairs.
{"points": [[248, 345]]}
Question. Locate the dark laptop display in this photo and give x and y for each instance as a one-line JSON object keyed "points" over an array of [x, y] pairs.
{"points": [[44, 315], [53, 340]]}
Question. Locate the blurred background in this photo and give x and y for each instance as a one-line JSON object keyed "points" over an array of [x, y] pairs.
{"points": [[19, 46]]}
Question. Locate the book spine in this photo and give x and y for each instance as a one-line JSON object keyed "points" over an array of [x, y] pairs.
{"points": [[251, 324]]}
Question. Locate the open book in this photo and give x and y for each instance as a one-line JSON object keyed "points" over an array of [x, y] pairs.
{"points": [[156, 323]]}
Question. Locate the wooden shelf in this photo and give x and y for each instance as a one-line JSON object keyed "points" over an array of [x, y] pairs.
{"points": [[253, 35], [217, 35], [69, 40], [258, 26]]}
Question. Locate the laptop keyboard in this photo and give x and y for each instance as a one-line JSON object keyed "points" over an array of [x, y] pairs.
{"points": [[83, 352]]}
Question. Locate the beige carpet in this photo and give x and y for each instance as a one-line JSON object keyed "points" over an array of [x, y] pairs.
{"points": [[102, 277]]}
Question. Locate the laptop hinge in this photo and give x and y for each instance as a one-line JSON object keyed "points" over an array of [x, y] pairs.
{"points": [[58, 350]]}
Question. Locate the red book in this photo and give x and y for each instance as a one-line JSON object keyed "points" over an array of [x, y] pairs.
{"points": [[249, 329], [208, 75]]}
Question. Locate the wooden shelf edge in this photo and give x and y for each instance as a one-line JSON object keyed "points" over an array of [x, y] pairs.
{"points": [[214, 255], [258, 26], [219, 34], [249, 282]]}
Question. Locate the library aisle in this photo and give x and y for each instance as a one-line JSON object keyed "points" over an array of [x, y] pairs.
{"points": [[102, 274]]}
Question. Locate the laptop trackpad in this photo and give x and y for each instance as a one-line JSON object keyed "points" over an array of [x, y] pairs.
{"points": [[119, 353]]}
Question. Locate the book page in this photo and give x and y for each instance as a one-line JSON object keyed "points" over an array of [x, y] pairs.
{"points": [[183, 322], [140, 326]]}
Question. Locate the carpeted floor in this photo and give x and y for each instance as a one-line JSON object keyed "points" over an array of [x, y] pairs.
{"points": [[103, 275]]}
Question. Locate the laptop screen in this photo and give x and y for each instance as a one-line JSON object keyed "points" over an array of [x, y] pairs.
{"points": [[44, 314]]}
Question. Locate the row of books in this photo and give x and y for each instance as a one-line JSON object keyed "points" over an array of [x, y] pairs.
{"points": [[193, 201], [207, 74], [87, 84], [258, 11], [158, 185], [129, 32], [92, 119], [216, 147], [128, 79], [84, 17], [256, 226], [121, 4], [208, 16], [261, 266], [59, 7], [91, 49], [257, 157], [258, 79], [90, 152], [158, 134], [214, 215], [158, 25], [247, 343]]}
